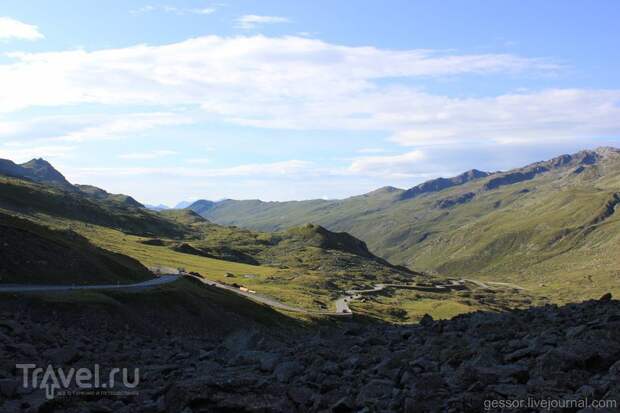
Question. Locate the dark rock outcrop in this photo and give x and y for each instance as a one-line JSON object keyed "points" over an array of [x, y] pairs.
{"points": [[455, 200], [514, 177]]}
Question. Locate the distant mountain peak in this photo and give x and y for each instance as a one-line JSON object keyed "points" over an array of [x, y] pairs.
{"points": [[160, 207], [182, 204], [607, 151], [44, 170], [439, 184], [38, 170], [201, 206], [474, 174], [384, 190], [40, 162]]}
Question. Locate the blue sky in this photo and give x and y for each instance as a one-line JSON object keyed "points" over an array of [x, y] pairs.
{"points": [[279, 100]]}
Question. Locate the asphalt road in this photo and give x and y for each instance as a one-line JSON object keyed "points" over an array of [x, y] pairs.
{"points": [[25, 288]]}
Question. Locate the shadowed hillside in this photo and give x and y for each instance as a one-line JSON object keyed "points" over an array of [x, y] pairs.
{"points": [[34, 254]]}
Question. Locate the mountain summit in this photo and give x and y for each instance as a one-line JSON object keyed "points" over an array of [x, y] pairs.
{"points": [[42, 172], [440, 184], [38, 170]]}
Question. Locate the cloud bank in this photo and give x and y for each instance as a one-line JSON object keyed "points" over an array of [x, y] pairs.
{"points": [[300, 83], [252, 21], [14, 29]]}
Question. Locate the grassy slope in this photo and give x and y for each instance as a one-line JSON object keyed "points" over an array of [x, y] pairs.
{"points": [[291, 271], [35, 254], [539, 233]]}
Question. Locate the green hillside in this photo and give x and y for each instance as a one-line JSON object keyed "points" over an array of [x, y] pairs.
{"points": [[550, 226]]}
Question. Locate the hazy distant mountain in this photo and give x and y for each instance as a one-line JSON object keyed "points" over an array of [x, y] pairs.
{"points": [[160, 207], [202, 206], [182, 204]]}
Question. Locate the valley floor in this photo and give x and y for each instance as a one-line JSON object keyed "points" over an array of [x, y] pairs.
{"points": [[304, 291]]}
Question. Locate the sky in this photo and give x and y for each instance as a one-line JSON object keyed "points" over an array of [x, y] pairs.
{"points": [[281, 100]]}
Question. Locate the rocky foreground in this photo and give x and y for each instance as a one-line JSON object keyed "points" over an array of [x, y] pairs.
{"points": [[558, 353]]}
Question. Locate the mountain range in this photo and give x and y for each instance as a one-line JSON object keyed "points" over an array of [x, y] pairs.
{"points": [[550, 225]]}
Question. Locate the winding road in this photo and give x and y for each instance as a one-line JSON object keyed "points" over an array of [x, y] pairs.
{"points": [[160, 280], [26, 288], [341, 303]]}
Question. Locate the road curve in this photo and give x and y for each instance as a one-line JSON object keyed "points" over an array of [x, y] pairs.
{"points": [[25, 288]]}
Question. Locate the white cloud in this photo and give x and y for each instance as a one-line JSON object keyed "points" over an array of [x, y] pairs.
{"points": [[23, 153], [251, 21], [86, 127], [231, 76], [371, 150], [282, 169], [14, 29], [301, 83], [147, 155], [11, 128], [198, 161], [393, 165], [119, 126], [276, 168], [204, 10], [173, 9], [565, 114]]}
